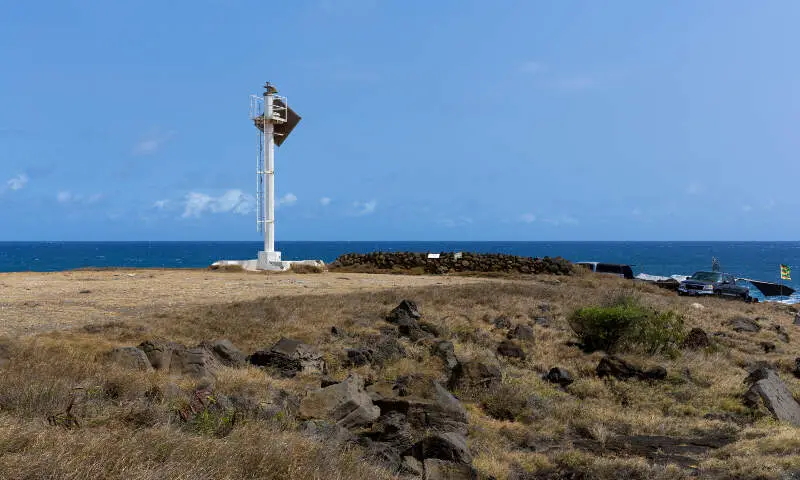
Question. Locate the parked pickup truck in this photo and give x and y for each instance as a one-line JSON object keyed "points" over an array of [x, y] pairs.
{"points": [[714, 283]]}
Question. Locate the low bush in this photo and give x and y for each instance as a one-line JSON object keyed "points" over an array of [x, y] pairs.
{"points": [[306, 268], [625, 324]]}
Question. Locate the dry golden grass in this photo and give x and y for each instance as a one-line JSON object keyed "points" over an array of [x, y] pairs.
{"points": [[128, 427]]}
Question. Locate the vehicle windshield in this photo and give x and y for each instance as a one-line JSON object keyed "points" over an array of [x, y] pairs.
{"points": [[706, 276]]}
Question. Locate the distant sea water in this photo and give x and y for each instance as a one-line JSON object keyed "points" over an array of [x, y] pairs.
{"points": [[757, 260]]}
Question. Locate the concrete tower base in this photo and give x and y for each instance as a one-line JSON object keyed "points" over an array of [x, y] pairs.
{"points": [[265, 263]]}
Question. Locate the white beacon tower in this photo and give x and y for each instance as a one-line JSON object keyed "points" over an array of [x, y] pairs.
{"points": [[274, 119]]}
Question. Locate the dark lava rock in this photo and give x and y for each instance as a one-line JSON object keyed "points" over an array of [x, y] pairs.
{"points": [[542, 321], [406, 309], [796, 371], [357, 357], [475, 374], [797, 318], [327, 381], [521, 332], [414, 332], [335, 331], [768, 347], [441, 412], [430, 328], [502, 322], [345, 403], [227, 354], [393, 428], [446, 352], [383, 453], [448, 446], [559, 376], [130, 357], [289, 357], [663, 449], [744, 324], [509, 348], [326, 431], [611, 366], [696, 339]]}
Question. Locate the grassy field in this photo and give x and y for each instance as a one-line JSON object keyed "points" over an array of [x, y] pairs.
{"points": [[66, 412]]}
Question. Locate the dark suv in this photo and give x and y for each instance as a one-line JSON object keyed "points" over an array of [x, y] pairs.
{"points": [[713, 283]]}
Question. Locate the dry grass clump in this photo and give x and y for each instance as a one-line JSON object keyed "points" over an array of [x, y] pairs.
{"points": [[254, 450], [128, 423]]}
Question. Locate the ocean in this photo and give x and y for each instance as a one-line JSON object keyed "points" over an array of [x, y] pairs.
{"points": [[757, 260]]}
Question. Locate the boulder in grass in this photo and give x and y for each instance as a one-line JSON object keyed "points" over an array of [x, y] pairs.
{"points": [[509, 348], [227, 354], [559, 376], [696, 339], [446, 351], [611, 366], [777, 398], [289, 357], [744, 324], [522, 332], [195, 362], [345, 403], [475, 374], [406, 309], [130, 357], [449, 446], [158, 353]]}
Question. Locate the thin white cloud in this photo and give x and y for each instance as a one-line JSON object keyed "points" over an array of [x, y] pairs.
{"points": [[233, 201], [365, 208], [66, 196], [324, 201], [161, 204], [18, 182], [152, 144], [527, 218], [747, 208], [289, 199]]}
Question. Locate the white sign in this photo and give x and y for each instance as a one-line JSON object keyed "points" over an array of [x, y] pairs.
{"points": [[433, 255]]}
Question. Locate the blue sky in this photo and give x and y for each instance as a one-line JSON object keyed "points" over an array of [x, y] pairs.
{"points": [[449, 120]]}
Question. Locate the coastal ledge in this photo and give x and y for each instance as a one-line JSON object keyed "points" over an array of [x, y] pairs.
{"points": [[450, 262]]}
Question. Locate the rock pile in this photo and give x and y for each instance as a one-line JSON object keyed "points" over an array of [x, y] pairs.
{"points": [[450, 262]]}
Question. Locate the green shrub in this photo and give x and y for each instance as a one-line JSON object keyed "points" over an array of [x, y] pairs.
{"points": [[625, 324]]}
